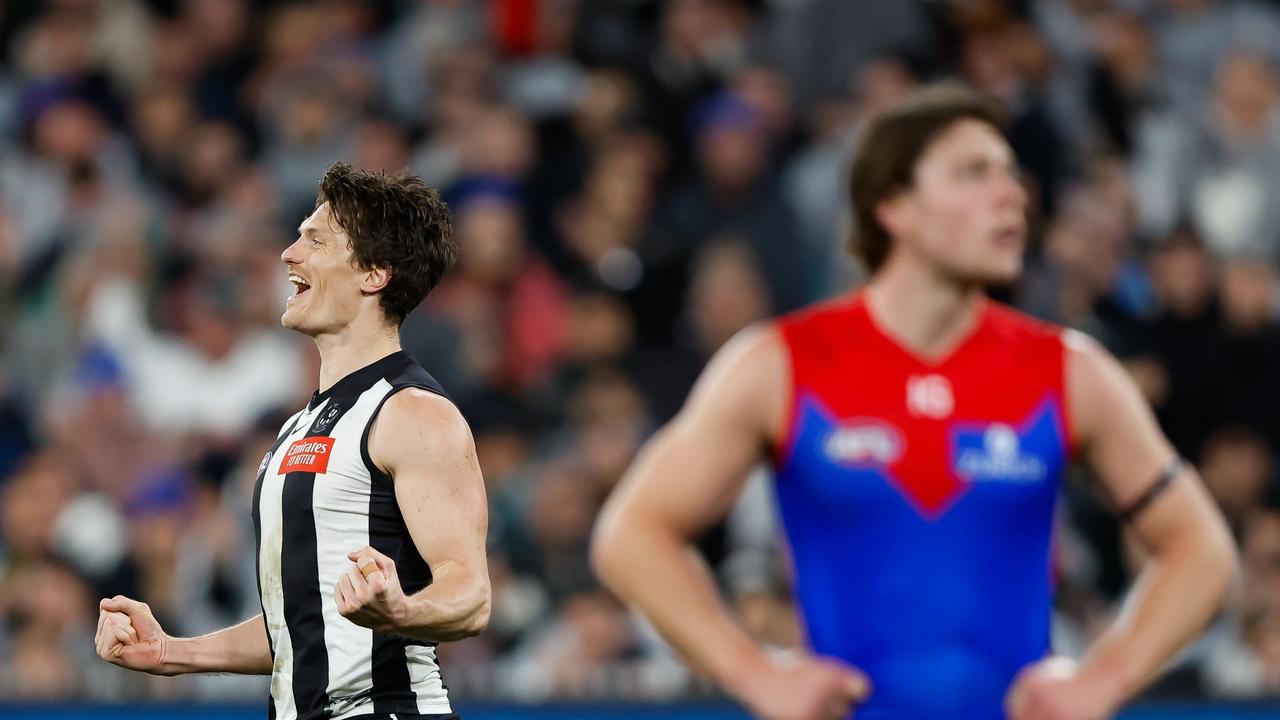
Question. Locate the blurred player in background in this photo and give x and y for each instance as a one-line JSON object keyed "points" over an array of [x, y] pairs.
{"points": [[919, 433], [369, 511]]}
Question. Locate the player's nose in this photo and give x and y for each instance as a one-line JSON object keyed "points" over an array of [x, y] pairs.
{"points": [[1012, 190], [292, 254]]}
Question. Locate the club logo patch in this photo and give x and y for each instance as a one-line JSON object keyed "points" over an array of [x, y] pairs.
{"points": [[310, 454], [323, 422]]}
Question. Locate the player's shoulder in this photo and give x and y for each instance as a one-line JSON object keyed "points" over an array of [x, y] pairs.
{"points": [[1012, 324], [815, 328], [406, 373], [755, 354], [416, 408], [821, 314], [418, 425], [1086, 359]]}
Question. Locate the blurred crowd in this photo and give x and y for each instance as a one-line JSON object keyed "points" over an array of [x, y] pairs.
{"points": [[633, 181]]}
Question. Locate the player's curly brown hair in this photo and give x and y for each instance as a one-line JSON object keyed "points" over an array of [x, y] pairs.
{"points": [[395, 222], [891, 145]]}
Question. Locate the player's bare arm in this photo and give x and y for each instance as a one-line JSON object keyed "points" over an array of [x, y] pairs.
{"points": [[422, 442], [1191, 557], [686, 478], [129, 636]]}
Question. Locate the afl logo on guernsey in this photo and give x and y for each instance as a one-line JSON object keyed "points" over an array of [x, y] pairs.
{"points": [[864, 442], [1000, 458], [310, 454]]}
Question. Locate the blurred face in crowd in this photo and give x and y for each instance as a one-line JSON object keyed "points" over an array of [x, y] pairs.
{"points": [[562, 510], [1236, 466], [600, 624], [965, 211], [1183, 277], [330, 292], [490, 241], [1260, 549], [502, 143], [1246, 92], [733, 156], [30, 504], [381, 146], [727, 294], [879, 84], [1248, 293], [70, 132], [53, 598]]}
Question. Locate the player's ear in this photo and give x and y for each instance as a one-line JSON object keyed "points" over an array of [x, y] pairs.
{"points": [[374, 280], [893, 213]]}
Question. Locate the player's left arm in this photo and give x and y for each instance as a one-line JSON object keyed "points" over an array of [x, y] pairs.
{"points": [[421, 440], [1191, 558]]}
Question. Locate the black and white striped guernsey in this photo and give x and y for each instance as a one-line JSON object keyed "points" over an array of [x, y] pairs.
{"points": [[318, 496]]}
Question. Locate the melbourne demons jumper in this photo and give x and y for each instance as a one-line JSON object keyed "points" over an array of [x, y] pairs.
{"points": [[318, 496], [918, 501]]}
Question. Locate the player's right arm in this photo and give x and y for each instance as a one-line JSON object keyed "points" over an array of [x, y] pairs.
{"points": [[129, 636], [686, 478]]}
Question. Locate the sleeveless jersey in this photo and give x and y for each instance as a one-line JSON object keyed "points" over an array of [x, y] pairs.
{"points": [[918, 500], [318, 496]]}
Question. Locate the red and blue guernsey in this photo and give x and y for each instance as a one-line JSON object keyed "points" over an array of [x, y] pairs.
{"points": [[918, 501]]}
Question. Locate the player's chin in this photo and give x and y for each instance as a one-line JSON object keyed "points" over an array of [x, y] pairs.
{"points": [[1005, 275], [1003, 269], [991, 275], [291, 319]]}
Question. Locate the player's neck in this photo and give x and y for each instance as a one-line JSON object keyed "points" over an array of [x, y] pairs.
{"points": [[925, 313], [354, 347]]}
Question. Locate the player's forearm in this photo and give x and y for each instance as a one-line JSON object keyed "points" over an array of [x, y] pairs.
{"points": [[454, 606], [1175, 596], [242, 649], [657, 572]]}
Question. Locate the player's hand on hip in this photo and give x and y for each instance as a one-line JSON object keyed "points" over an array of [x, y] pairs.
{"points": [[804, 688], [129, 636], [369, 593], [1054, 689]]}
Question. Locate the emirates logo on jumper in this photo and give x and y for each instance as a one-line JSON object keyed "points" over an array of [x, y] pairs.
{"points": [[310, 454]]}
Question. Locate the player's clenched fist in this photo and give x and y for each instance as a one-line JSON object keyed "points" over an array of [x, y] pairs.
{"points": [[804, 688], [129, 636], [369, 593]]}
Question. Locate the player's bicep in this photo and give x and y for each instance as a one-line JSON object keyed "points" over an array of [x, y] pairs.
{"points": [[1116, 429], [1123, 444], [427, 448], [689, 474]]}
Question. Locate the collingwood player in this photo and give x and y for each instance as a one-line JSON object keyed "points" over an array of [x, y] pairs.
{"points": [[369, 511]]}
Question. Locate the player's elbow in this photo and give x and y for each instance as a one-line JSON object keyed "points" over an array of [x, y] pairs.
{"points": [[609, 541], [1219, 560], [604, 546], [477, 621], [473, 620], [1208, 552]]}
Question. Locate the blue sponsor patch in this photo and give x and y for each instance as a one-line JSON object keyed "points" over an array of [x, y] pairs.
{"points": [[1004, 453]]}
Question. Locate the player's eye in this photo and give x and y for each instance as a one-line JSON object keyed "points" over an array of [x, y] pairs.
{"points": [[972, 170]]}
